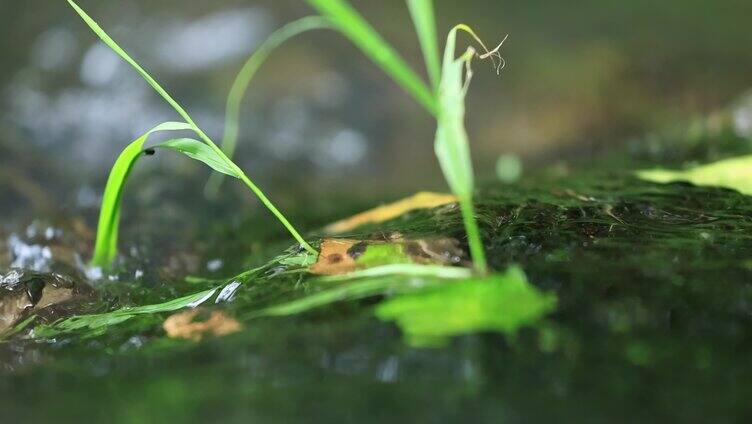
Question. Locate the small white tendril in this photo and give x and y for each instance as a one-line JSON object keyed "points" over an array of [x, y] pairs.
{"points": [[494, 55]]}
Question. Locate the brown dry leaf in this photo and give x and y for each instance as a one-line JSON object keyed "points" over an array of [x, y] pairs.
{"points": [[420, 200], [183, 325], [334, 257]]}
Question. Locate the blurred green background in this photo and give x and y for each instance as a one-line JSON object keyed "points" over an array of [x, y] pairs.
{"points": [[320, 118]]}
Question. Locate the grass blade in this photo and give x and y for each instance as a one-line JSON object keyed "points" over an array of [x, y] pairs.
{"points": [[181, 111], [452, 145], [448, 105], [421, 12], [243, 80], [405, 270], [362, 34], [120, 52], [200, 152], [94, 324], [350, 291]]}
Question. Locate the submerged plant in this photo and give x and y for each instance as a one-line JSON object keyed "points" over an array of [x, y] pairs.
{"points": [[445, 100], [208, 152]]}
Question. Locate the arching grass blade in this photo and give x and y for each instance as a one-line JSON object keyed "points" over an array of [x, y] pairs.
{"points": [[105, 247], [243, 80], [181, 111], [107, 233]]}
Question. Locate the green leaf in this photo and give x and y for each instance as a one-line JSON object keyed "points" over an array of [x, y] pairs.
{"points": [[734, 173], [201, 152], [421, 12], [451, 146], [243, 80], [105, 247], [503, 303], [96, 323], [362, 34]]}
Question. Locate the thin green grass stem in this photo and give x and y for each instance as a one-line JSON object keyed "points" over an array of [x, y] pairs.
{"points": [[474, 241]]}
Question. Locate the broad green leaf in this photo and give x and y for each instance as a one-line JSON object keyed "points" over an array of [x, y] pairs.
{"points": [[734, 173], [105, 247], [421, 12], [181, 111], [96, 323], [362, 34], [502, 302], [243, 80]]}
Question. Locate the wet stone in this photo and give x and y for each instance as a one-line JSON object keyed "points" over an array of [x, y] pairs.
{"points": [[50, 295]]}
